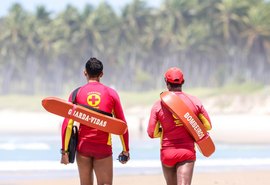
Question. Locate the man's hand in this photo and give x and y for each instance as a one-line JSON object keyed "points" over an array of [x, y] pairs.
{"points": [[64, 159], [123, 157]]}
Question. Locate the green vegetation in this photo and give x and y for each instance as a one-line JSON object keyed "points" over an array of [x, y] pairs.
{"points": [[139, 98], [229, 89], [217, 43], [21, 102], [131, 99]]}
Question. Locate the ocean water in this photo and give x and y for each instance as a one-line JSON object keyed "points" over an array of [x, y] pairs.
{"points": [[41, 153]]}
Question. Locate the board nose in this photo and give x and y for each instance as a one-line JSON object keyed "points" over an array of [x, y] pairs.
{"points": [[44, 102]]}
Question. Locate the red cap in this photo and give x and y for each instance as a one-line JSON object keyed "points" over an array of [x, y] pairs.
{"points": [[174, 75]]}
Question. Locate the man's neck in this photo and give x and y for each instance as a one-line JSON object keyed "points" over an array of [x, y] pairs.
{"points": [[178, 89], [96, 79]]}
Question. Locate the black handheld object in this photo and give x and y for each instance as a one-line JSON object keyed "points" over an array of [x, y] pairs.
{"points": [[123, 158], [73, 144]]}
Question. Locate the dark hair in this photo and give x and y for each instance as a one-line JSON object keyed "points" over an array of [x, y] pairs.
{"points": [[174, 86], [93, 67]]}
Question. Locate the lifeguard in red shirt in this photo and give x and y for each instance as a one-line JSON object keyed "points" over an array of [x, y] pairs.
{"points": [[94, 149], [177, 151]]}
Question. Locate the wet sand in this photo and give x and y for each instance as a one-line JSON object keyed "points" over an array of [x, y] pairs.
{"points": [[199, 178]]}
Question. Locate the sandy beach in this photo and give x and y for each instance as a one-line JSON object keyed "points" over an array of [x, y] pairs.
{"points": [[209, 178]]}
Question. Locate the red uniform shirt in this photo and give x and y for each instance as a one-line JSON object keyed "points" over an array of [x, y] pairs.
{"points": [[99, 96], [173, 134]]}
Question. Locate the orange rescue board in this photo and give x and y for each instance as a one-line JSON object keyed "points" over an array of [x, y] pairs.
{"points": [[84, 116], [191, 122]]}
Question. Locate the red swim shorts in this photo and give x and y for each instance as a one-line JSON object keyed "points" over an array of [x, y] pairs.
{"points": [[95, 150], [172, 156]]}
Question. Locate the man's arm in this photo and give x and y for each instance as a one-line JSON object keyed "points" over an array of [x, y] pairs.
{"points": [[66, 133], [154, 130]]}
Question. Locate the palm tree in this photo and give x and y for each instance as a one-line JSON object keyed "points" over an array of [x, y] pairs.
{"points": [[257, 26], [65, 61], [13, 39], [256, 33], [43, 47], [132, 39], [230, 14]]}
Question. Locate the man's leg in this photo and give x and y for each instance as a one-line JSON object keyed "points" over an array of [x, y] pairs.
{"points": [[185, 172], [85, 166], [169, 174], [104, 170]]}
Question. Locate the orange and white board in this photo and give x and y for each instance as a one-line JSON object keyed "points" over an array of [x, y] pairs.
{"points": [[84, 116], [191, 122]]}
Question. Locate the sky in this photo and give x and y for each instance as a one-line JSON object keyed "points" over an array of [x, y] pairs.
{"points": [[58, 5]]}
